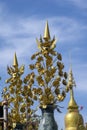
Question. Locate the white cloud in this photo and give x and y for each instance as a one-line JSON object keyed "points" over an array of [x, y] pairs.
{"points": [[67, 29]]}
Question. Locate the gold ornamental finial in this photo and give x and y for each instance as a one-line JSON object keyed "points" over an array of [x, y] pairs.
{"points": [[73, 119], [72, 103], [47, 32], [71, 82], [15, 62]]}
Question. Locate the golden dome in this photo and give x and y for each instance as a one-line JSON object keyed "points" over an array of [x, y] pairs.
{"points": [[73, 120]]}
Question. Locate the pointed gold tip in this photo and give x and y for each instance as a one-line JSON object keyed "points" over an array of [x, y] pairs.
{"points": [[72, 103], [46, 32], [15, 62]]}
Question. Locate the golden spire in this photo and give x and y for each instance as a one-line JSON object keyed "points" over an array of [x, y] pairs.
{"points": [[72, 103], [47, 32], [73, 119], [48, 43], [71, 81], [15, 62]]}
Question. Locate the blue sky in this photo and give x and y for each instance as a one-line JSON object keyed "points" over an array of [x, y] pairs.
{"points": [[21, 21]]}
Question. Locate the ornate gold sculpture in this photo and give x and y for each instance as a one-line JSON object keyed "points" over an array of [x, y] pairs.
{"points": [[48, 73], [19, 97], [73, 120]]}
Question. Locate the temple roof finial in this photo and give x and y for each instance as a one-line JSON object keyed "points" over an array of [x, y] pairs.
{"points": [[15, 61], [71, 83], [73, 119], [47, 32]]}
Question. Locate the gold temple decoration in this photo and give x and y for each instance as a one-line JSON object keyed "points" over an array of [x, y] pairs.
{"points": [[73, 120], [46, 32], [15, 62], [19, 96], [72, 102], [49, 76], [70, 85]]}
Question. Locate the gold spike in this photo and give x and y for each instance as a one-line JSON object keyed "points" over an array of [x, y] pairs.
{"points": [[15, 62], [71, 83], [46, 32]]}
